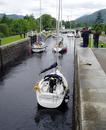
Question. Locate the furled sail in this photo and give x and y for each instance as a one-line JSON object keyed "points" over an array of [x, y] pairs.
{"points": [[50, 67]]}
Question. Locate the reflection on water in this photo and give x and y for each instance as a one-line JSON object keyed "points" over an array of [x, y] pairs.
{"points": [[53, 119]]}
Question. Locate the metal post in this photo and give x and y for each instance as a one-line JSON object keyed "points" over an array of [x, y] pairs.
{"points": [[91, 40]]}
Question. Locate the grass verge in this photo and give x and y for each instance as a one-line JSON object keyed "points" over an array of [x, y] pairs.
{"points": [[10, 39], [99, 46]]}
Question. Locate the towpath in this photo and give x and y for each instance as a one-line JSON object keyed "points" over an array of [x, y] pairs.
{"points": [[92, 87]]}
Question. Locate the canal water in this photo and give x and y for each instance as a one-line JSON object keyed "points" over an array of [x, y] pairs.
{"points": [[18, 105]]}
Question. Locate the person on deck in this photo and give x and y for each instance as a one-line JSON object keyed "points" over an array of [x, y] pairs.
{"points": [[52, 83]]}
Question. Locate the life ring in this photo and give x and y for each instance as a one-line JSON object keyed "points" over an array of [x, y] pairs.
{"points": [[37, 88]]}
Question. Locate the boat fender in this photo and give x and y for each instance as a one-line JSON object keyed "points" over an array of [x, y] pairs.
{"points": [[65, 88], [66, 99], [37, 88]]}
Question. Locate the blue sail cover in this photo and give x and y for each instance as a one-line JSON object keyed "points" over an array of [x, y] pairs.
{"points": [[54, 76], [40, 39], [51, 67]]}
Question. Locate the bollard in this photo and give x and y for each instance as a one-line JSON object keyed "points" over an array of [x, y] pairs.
{"points": [[101, 45], [91, 40]]}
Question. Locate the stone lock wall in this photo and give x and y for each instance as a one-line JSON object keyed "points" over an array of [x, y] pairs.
{"points": [[12, 50]]}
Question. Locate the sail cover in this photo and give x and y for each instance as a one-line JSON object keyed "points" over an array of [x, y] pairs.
{"points": [[50, 67], [54, 76]]}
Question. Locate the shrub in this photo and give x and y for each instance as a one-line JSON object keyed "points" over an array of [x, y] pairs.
{"points": [[2, 35]]}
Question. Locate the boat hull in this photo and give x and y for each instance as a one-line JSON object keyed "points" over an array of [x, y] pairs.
{"points": [[70, 35], [39, 48], [51, 100], [60, 49]]}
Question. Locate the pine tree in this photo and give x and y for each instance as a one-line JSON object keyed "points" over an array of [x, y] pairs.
{"points": [[99, 19]]}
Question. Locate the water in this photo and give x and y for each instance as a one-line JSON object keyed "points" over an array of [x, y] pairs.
{"points": [[18, 105]]}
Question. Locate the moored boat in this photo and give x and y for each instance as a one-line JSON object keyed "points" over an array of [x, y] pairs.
{"points": [[52, 89]]}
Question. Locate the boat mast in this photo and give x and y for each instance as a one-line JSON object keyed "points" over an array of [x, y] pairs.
{"points": [[70, 20], [61, 14], [40, 18], [58, 21], [58, 30]]}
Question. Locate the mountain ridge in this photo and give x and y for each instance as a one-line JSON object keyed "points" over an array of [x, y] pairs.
{"points": [[14, 16], [82, 19], [91, 17]]}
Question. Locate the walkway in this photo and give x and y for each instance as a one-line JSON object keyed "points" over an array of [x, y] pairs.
{"points": [[103, 39], [92, 88]]}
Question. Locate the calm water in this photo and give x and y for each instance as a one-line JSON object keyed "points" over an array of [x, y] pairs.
{"points": [[18, 105]]}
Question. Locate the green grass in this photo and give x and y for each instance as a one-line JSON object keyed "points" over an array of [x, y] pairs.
{"points": [[7, 40], [99, 46]]}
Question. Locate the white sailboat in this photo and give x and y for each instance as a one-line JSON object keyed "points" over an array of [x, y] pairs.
{"points": [[52, 89], [70, 34], [39, 46], [60, 47]]}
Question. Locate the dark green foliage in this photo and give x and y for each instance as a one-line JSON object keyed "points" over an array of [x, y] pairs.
{"points": [[99, 23], [2, 35], [4, 29], [47, 23], [19, 25], [99, 19], [10, 26]]}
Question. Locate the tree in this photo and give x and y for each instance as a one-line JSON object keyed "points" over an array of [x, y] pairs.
{"points": [[99, 22], [46, 21], [31, 23], [99, 19], [4, 19], [19, 25], [4, 29], [27, 17]]}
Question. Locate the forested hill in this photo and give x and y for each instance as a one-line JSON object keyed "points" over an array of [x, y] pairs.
{"points": [[92, 17], [14, 16]]}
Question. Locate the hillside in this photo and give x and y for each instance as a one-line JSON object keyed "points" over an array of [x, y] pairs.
{"points": [[14, 16], [91, 17]]}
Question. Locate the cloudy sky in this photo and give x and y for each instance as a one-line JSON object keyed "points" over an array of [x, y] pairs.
{"points": [[71, 9]]}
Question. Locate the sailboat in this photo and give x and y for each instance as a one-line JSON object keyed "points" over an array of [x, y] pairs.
{"points": [[60, 47], [39, 46], [70, 34], [52, 89]]}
